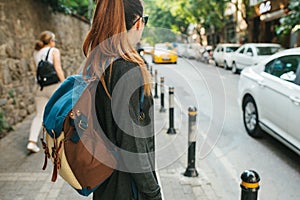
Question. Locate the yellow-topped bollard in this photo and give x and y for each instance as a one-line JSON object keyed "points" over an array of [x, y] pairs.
{"points": [[171, 129], [191, 170], [162, 95], [155, 86], [249, 185]]}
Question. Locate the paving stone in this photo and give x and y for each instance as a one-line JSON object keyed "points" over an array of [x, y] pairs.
{"points": [[41, 195], [21, 176]]}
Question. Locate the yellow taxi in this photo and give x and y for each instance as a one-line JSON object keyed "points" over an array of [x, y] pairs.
{"points": [[164, 53]]}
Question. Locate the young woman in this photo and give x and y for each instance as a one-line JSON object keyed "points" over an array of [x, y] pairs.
{"points": [[45, 44], [123, 101]]}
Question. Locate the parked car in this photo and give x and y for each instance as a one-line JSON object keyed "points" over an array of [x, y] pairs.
{"points": [[148, 49], [206, 54], [164, 53], [180, 49], [192, 51], [222, 55], [269, 96], [252, 53]]}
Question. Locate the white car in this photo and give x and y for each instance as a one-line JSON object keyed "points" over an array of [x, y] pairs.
{"points": [[223, 54], [252, 53], [181, 48], [192, 51], [269, 95]]}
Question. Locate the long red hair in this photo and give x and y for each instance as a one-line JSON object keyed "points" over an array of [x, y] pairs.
{"points": [[108, 39]]}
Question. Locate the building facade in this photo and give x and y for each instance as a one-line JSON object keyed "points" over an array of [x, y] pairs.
{"points": [[262, 24], [257, 22]]}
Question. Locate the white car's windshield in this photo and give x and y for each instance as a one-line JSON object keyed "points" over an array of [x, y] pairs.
{"points": [[264, 51], [231, 49]]}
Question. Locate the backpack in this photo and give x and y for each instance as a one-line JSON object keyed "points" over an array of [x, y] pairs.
{"points": [[46, 73], [72, 139]]}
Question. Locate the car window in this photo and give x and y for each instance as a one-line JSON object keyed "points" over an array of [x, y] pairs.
{"points": [[249, 51], [161, 46], [284, 67], [231, 49], [241, 50], [297, 79], [265, 51]]}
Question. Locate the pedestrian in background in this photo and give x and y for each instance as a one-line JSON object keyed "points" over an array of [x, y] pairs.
{"points": [[116, 29], [45, 44]]}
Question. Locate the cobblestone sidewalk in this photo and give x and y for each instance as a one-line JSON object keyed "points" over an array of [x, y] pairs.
{"points": [[21, 176]]}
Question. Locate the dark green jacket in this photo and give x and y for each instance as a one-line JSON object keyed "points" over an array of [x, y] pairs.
{"points": [[119, 119]]}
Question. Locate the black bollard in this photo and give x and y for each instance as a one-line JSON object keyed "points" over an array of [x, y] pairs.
{"points": [[171, 129], [155, 87], [249, 185], [162, 95], [151, 71], [191, 170]]}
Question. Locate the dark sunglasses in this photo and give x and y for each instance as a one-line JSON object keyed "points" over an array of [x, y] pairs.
{"points": [[144, 18]]}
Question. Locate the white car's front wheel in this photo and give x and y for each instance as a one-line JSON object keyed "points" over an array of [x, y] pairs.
{"points": [[234, 68], [225, 65], [250, 117], [216, 63]]}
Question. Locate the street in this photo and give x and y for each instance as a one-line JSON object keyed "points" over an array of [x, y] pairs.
{"points": [[224, 150], [200, 103]]}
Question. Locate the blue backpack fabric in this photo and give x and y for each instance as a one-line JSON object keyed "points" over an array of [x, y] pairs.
{"points": [[62, 102], [66, 121]]}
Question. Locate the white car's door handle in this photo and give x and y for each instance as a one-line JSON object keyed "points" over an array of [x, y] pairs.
{"points": [[295, 100], [261, 83]]}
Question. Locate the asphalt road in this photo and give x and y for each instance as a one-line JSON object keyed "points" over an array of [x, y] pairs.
{"points": [[224, 150]]}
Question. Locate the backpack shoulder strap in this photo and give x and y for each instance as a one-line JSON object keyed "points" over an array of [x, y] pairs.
{"points": [[142, 114], [48, 53]]}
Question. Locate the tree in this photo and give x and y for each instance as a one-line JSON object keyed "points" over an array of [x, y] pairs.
{"points": [[291, 20], [78, 7], [178, 15], [163, 15], [164, 24]]}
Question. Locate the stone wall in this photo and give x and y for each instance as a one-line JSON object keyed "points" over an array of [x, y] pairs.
{"points": [[21, 21]]}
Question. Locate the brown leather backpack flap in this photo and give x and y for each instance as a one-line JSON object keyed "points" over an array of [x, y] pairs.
{"points": [[88, 170], [89, 158]]}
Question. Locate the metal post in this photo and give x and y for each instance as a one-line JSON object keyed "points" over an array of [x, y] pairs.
{"points": [[191, 170], [171, 129], [155, 87], [151, 71], [162, 95], [249, 185]]}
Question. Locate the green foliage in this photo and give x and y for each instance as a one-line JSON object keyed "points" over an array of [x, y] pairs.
{"points": [[80, 7], [3, 124], [11, 94], [158, 35], [164, 14], [288, 22], [165, 24], [177, 15]]}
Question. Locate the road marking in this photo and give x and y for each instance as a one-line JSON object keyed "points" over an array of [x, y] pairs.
{"points": [[226, 163]]}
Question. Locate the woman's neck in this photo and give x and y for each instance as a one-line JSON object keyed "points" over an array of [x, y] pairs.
{"points": [[47, 46]]}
